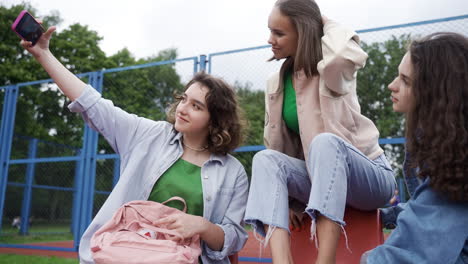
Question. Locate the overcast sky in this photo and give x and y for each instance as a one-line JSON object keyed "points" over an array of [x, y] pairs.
{"points": [[206, 26]]}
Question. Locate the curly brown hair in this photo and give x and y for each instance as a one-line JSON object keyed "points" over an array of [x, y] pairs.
{"points": [[227, 124], [437, 124]]}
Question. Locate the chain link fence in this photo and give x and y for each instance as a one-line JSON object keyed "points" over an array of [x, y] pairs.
{"points": [[45, 146]]}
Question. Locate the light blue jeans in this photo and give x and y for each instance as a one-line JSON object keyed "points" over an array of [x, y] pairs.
{"points": [[335, 174]]}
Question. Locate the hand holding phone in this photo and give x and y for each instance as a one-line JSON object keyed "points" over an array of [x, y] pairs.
{"points": [[27, 27]]}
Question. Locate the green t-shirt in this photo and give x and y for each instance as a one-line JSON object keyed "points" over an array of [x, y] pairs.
{"points": [[289, 104], [182, 179]]}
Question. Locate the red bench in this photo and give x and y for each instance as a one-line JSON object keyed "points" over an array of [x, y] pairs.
{"points": [[364, 231]]}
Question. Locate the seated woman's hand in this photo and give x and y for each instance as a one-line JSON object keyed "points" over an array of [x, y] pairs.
{"points": [[42, 44], [185, 224], [295, 220]]}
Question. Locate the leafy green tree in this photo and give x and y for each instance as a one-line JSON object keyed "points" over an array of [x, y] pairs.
{"points": [[77, 47], [42, 107], [17, 65], [252, 103]]}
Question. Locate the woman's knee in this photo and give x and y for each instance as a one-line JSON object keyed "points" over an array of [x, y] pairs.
{"points": [[264, 158], [325, 141], [264, 162]]}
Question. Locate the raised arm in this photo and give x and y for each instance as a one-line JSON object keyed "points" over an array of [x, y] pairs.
{"points": [[342, 57], [68, 83], [121, 129]]}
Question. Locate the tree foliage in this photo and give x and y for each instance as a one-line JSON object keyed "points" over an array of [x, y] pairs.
{"points": [[252, 103], [17, 65]]}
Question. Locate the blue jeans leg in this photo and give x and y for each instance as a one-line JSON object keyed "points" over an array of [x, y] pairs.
{"points": [[275, 177], [341, 174], [335, 174]]}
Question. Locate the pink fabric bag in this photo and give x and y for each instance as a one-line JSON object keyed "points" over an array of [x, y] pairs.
{"points": [[131, 237]]}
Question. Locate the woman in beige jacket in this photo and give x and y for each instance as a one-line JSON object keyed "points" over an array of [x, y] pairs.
{"points": [[321, 152]]}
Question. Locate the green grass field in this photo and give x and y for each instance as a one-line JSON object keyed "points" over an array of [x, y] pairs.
{"points": [[37, 233], [20, 259], [39, 228], [17, 239]]}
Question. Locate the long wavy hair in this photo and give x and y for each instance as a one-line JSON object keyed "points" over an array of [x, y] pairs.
{"points": [[307, 20], [227, 123], [437, 123]]}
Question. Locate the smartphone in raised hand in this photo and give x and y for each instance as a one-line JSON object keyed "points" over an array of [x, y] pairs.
{"points": [[27, 27]]}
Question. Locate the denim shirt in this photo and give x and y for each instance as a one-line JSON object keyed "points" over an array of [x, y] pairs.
{"points": [[147, 149], [430, 229]]}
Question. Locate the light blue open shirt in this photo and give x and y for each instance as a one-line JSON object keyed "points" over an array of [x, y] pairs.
{"points": [[147, 149]]}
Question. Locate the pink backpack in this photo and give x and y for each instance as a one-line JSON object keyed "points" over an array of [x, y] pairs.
{"points": [[130, 237]]}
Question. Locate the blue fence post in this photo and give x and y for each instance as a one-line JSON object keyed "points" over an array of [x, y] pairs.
{"points": [[6, 136], [202, 63], [84, 181], [27, 193], [79, 193], [88, 172], [195, 65], [87, 182], [116, 172], [76, 198]]}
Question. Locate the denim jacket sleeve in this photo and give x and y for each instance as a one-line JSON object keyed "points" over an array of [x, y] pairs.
{"points": [[235, 235], [121, 129], [431, 229]]}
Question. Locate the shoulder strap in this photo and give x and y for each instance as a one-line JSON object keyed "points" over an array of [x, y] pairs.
{"points": [[177, 198]]}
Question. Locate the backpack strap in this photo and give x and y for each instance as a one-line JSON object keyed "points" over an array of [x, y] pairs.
{"points": [[177, 198]]}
